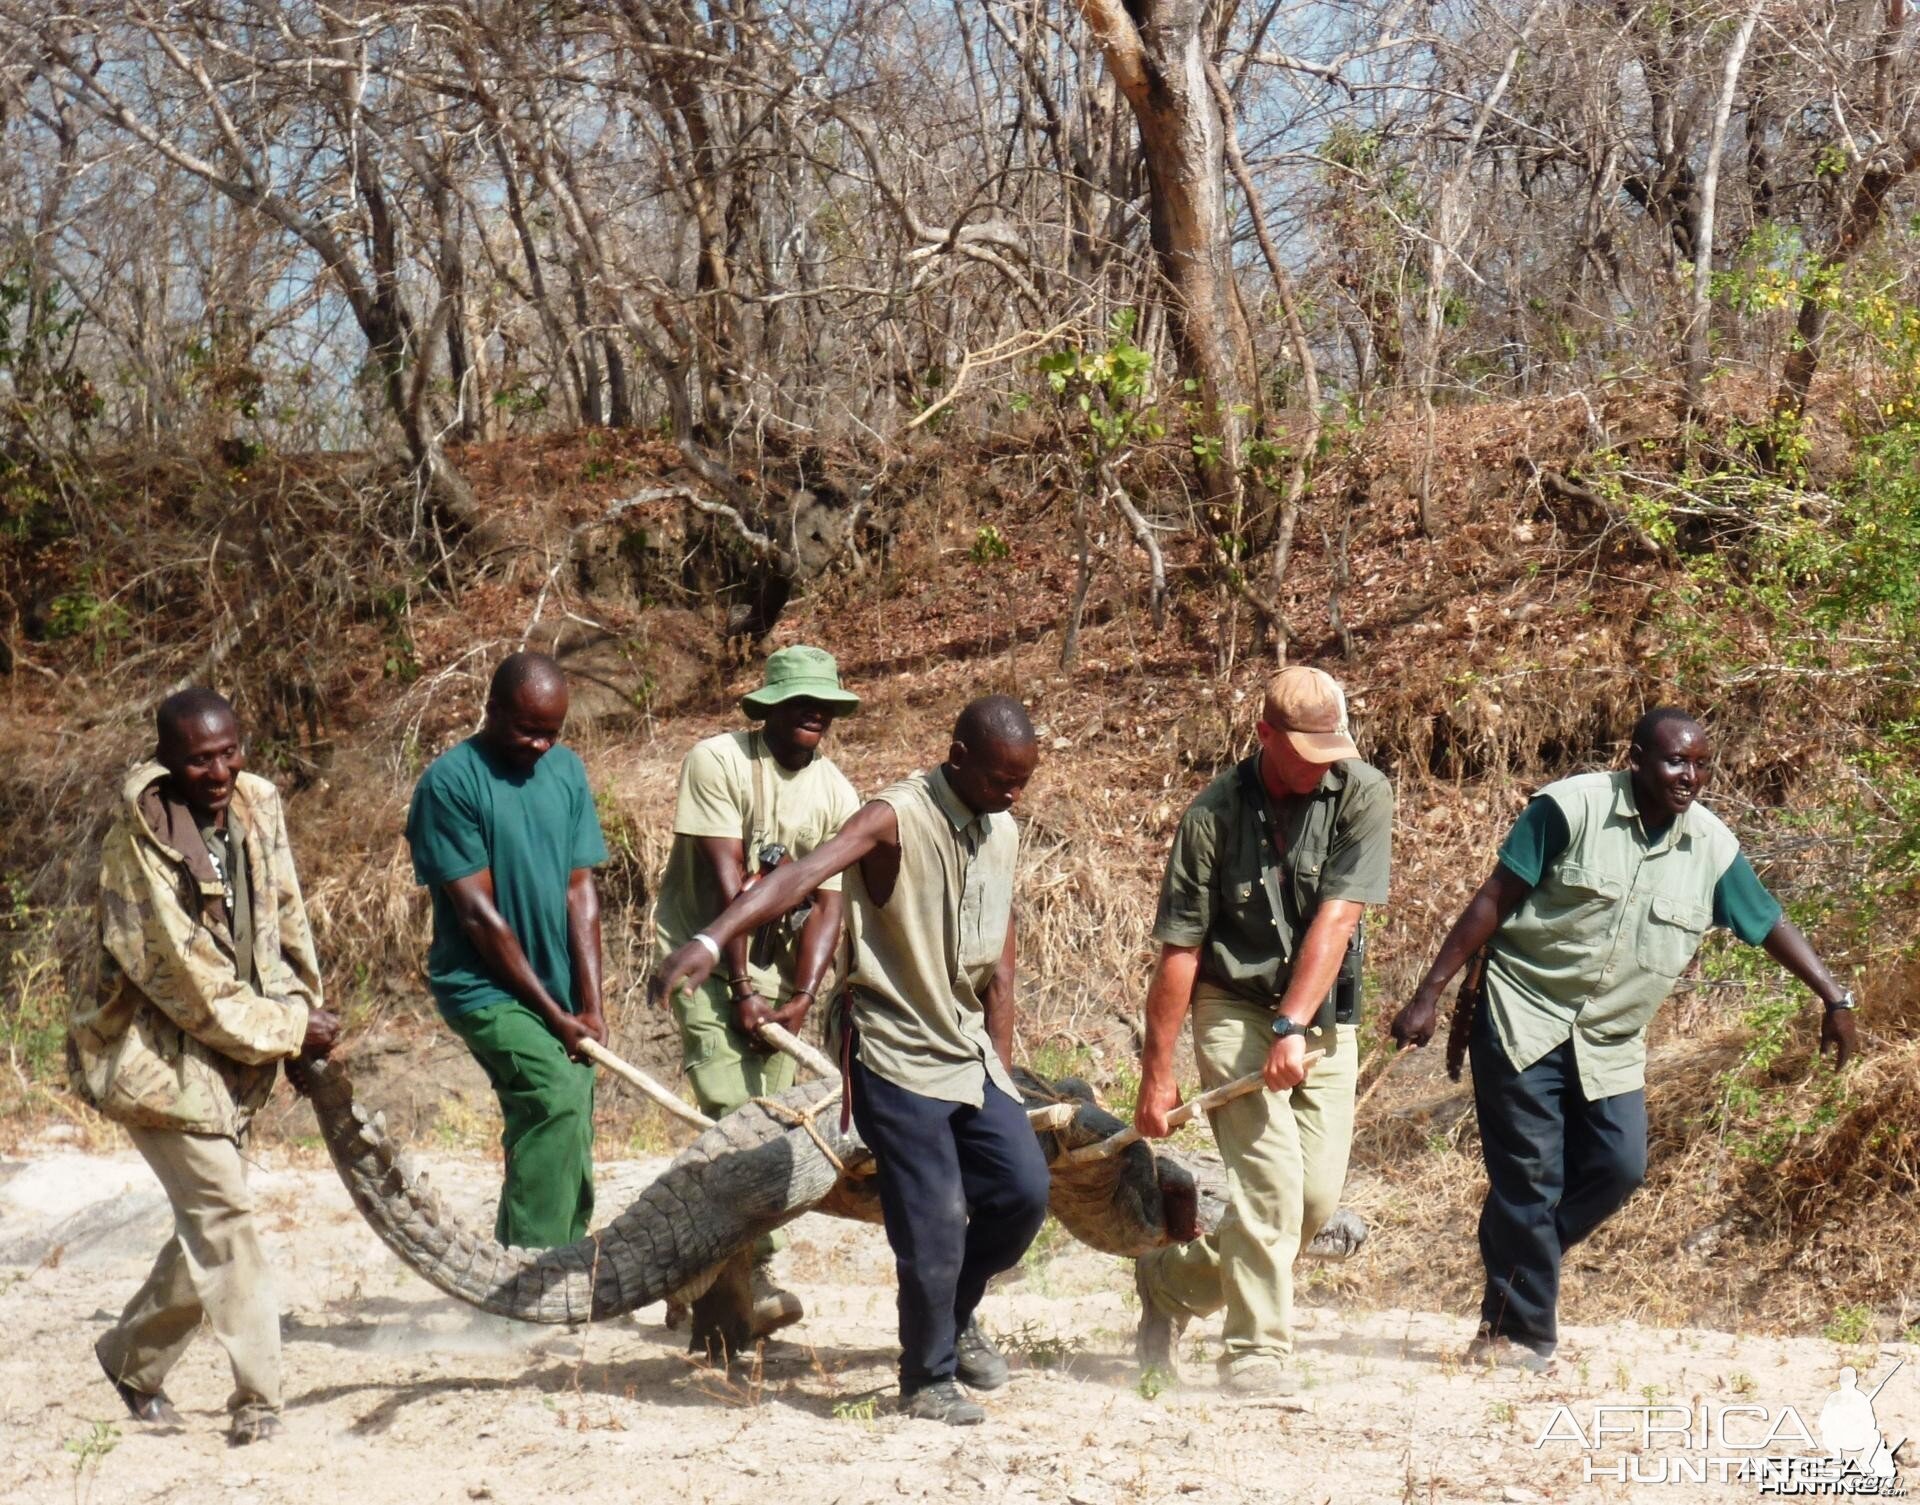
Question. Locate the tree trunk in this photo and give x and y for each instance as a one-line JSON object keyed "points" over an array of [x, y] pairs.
{"points": [[1159, 52]]}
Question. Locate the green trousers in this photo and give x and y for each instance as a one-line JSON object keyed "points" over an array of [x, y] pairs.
{"points": [[546, 1098], [1286, 1157], [725, 1068]]}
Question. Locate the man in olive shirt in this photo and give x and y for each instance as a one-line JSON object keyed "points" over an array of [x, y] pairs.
{"points": [[1258, 928], [1602, 893], [929, 898], [742, 793], [504, 832]]}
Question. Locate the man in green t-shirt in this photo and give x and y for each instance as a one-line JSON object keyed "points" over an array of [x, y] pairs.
{"points": [[1258, 927], [1602, 893], [742, 794], [504, 833]]}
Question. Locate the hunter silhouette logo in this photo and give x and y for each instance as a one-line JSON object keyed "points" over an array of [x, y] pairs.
{"points": [[1845, 1453]]}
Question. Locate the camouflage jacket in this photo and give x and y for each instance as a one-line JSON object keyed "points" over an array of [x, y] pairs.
{"points": [[174, 1038]]}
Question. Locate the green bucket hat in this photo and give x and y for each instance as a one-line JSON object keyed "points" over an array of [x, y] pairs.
{"points": [[800, 673]]}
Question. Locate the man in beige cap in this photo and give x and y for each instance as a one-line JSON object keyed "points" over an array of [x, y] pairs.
{"points": [[743, 795], [1259, 933]]}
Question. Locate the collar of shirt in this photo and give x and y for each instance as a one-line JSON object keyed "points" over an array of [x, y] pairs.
{"points": [[1331, 782], [956, 810], [1627, 808]]}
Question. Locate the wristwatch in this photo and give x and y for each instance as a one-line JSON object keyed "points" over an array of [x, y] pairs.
{"points": [[1845, 1001], [1283, 1026]]}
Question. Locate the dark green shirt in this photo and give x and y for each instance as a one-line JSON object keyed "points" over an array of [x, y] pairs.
{"points": [[531, 831], [1741, 902], [1335, 843]]}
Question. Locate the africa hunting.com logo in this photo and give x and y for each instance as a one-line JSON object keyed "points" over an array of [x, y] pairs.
{"points": [[1772, 1447]]}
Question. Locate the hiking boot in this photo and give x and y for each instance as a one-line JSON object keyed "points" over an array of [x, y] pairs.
{"points": [[152, 1407], [981, 1366], [254, 1426], [773, 1307], [1494, 1350], [1256, 1374], [943, 1400], [1158, 1336]]}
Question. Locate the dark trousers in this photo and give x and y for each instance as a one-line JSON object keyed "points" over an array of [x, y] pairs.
{"points": [[1558, 1166], [962, 1193]]}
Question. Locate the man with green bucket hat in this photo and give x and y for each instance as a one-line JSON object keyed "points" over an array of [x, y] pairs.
{"points": [[743, 795]]}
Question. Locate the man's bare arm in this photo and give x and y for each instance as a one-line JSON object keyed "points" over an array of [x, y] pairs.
{"points": [[873, 826], [1788, 946], [998, 1004], [819, 939], [506, 962], [726, 859], [1489, 907], [583, 941], [1169, 996], [1322, 949]]}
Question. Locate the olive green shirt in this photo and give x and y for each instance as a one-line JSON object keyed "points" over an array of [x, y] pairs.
{"points": [[1598, 942], [1334, 843], [922, 961], [732, 785]]}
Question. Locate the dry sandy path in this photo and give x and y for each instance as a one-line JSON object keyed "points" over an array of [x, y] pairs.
{"points": [[395, 1393]]}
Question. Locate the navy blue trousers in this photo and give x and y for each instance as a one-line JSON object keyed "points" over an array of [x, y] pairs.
{"points": [[1558, 1166], [962, 1193]]}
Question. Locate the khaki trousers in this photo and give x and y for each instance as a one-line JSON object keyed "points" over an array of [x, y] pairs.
{"points": [[1286, 1157], [212, 1267]]}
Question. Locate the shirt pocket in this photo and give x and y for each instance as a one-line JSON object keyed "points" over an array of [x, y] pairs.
{"points": [[1671, 934]]}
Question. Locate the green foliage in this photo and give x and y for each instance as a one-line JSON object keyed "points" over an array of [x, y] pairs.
{"points": [[1758, 1117], [1849, 1324], [33, 1018], [989, 546], [860, 1412], [1153, 1382], [1107, 386]]}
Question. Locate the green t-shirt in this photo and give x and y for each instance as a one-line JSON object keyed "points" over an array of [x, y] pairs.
{"points": [[532, 831], [1741, 902], [1336, 842]]}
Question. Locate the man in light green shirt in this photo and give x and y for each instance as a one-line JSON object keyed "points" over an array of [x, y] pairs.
{"points": [[742, 794], [1601, 896], [963, 1185]]}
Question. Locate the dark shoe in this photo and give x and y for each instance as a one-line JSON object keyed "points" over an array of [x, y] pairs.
{"points": [[154, 1409], [1494, 1350], [943, 1401], [1158, 1336], [981, 1366], [250, 1427]]}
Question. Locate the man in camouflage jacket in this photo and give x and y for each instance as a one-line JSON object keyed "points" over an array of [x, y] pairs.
{"points": [[208, 980]]}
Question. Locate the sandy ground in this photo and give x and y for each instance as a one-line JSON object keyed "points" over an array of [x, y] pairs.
{"points": [[395, 1393]]}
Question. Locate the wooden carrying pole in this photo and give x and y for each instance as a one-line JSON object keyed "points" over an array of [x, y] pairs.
{"points": [[784, 1039], [1113, 1144], [658, 1091]]}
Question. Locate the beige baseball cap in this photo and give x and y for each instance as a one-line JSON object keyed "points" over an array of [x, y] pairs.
{"points": [[1307, 704]]}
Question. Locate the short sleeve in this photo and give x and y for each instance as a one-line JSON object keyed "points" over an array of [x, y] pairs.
{"points": [[1360, 855], [708, 804], [589, 846], [1538, 837], [443, 830], [1186, 890], [1742, 904]]}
